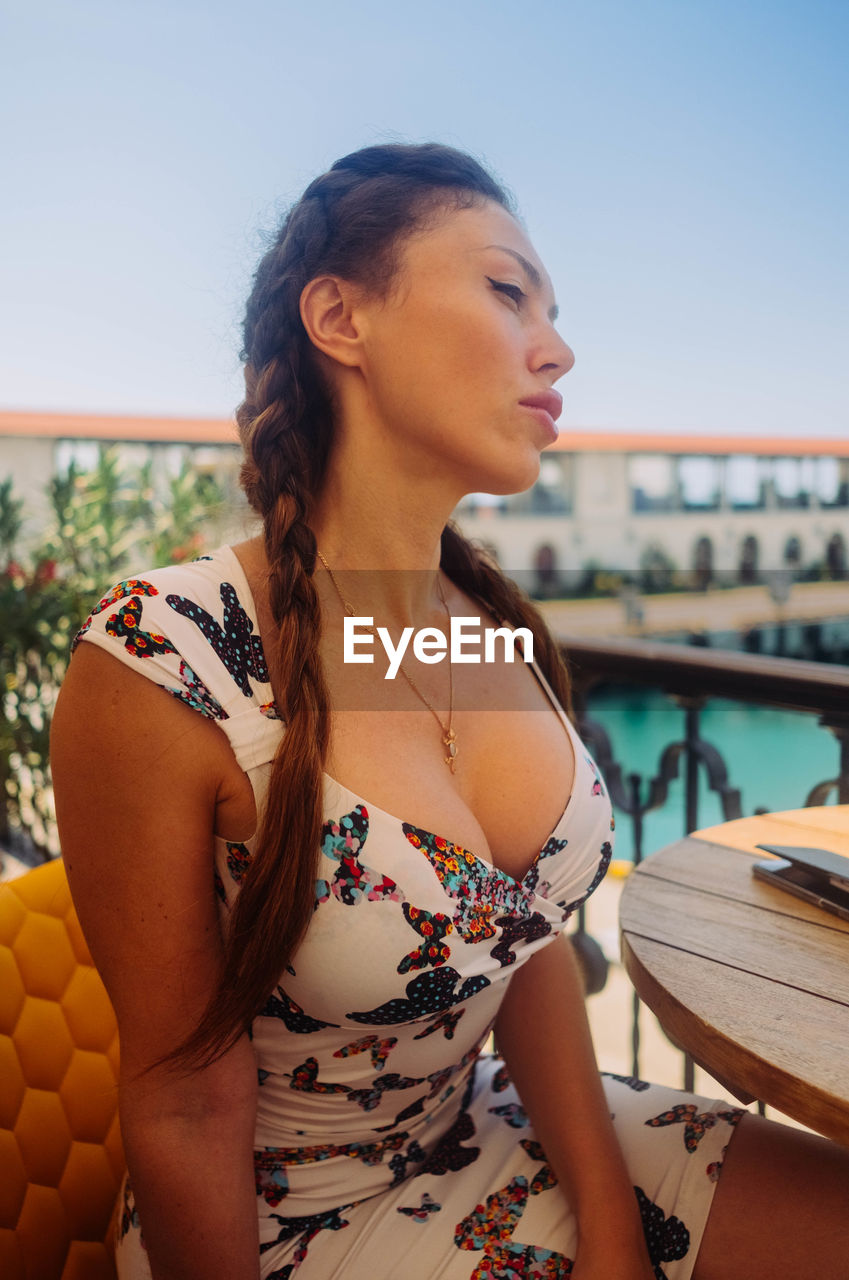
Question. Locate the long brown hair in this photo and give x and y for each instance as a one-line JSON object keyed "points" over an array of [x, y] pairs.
{"points": [[349, 222]]}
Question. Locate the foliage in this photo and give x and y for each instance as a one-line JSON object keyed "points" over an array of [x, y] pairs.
{"points": [[657, 571], [101, 522]]}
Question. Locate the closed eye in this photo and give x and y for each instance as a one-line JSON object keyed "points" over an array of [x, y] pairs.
{"points": [[512, 291]]}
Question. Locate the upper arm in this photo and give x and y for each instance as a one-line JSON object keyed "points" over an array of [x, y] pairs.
{"points": [[138, 778]]}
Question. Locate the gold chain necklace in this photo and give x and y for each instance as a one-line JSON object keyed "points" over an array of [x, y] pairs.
{"points": [[449, 737]]}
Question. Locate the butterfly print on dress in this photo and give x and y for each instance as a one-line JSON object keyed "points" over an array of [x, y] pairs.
{"points": [[196, 695], [598, 786], [353, 882], [552, 846], [667, 1239], [129, 1213], [529, 929], [714, 1169], [428, 993], [481, 892], [291, 1014], [371, 1097], [432, 928], [501, 1080], [601, 872], [307, 1228], [695, 1125], [543, 1179], [238, 860], [444, 1022], [124, 625], [270, 710], [271, 1163], [398, 1164], [490, 1227], [638, 1086], [437, 1080], [235, 643], [305, 1078], [448, 1156], [379, 1049], [414, 1109], [129, 587], [425, 1209], [513, 1113]]}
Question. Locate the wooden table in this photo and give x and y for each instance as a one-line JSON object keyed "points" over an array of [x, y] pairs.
{"points": [[752, 982]]}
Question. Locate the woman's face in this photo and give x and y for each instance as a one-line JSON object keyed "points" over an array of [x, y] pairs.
{"points": [[459, 360]]}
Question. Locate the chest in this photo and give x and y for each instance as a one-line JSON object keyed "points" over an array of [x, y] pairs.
{"points": [[514, 763]]}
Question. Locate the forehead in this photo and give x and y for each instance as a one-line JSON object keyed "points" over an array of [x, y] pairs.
{"points": [[465, 237]]}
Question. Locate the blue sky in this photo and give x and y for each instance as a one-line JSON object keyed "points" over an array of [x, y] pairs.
{"points": [[680, 165]]}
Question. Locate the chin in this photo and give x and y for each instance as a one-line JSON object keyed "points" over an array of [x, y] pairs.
{"points": [[515, 478]]}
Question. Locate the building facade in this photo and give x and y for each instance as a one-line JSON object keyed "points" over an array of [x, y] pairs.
{"points": [[699, 505], [620, 503]]}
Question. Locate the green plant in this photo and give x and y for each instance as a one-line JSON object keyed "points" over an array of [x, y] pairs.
{"points": [[101, 522], [657, 571]]}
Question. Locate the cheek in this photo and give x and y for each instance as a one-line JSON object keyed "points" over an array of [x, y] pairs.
{"points": [[441, 370], [419, 369], [456, 361]]}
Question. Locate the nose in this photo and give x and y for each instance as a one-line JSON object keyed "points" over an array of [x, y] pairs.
{"points": [[554, 356]]}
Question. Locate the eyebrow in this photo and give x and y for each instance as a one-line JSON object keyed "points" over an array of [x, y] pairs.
{"points": [[529, 270]]}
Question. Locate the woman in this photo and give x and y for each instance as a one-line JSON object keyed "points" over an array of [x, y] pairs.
{"points": [[302, 1032]]}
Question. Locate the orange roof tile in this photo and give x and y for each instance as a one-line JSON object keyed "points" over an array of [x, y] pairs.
{"points": [[93, 426], [661, 442]]}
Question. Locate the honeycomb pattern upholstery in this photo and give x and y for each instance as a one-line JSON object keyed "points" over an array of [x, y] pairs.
{"points": [[61, 1159]]}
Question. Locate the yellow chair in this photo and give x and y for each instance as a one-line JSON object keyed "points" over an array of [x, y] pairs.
{"points": [[61, 1159]]}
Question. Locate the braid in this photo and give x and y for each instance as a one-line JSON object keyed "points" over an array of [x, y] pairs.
{"points": [[349, 222], [293, 803], [468, 567]]}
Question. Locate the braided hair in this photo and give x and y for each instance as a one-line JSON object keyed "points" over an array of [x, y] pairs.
{"points": [[349, 222]]}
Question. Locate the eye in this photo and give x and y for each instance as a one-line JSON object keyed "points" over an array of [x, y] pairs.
{"points": [[512, 291]]}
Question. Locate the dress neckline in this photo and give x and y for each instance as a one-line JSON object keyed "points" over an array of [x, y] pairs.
{"points": [[227, 553]]}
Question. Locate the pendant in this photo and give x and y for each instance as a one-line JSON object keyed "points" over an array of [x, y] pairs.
{"points": [[451, 743]]}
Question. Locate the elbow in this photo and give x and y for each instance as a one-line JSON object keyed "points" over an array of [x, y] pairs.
{"points": [[223, 1093]]}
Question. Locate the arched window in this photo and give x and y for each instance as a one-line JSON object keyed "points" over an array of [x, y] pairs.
{"points": [[835, 556], [793, 552], [703, 563], [546, 578], [749, 554]]}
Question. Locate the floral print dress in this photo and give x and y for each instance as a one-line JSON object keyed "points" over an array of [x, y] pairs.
{"points": [[388, 1142]]}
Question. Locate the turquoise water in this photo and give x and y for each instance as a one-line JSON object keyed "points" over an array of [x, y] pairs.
{"points": [[773, 757]]}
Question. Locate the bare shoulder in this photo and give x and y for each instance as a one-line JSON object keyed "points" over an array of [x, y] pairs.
{"points": [[141, 783]]}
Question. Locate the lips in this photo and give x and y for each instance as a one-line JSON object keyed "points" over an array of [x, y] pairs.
{"points": [[550, 401]]}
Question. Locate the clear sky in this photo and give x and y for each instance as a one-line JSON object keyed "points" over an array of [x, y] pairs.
{"points": [[681, 166]]}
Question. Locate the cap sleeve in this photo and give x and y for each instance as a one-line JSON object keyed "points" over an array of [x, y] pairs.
{"points": [[191, 630]]}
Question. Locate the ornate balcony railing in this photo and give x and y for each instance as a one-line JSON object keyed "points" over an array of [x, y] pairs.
{"points": [[690, 677]]}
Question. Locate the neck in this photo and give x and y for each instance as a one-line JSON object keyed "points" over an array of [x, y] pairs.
{"points": [[379, 526], [395, 598]]}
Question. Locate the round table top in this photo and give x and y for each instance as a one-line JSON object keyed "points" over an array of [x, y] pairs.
{"points": [[752, 982]]}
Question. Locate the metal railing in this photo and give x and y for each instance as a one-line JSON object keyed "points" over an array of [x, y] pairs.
{"points": [[691, 677]]}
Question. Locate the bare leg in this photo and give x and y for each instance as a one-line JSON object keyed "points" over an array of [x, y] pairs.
{"points": [[781, 1208]]}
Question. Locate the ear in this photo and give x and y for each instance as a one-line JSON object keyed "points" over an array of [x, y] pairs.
{"points": [[328, 311]]}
